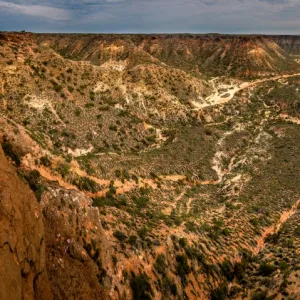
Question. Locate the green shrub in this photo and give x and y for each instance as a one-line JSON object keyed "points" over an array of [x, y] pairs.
{"points": [[63, 170], [239, 271], [103, 201], [92, 95], [111, 192], [160, 264], [86, 184], [183, 242], [182, 267], [70, 89], [89, 105], [120, 235], [126, 175], [167, 286], [56, 86], [99, 201], [113, 127], [219, 293], [259, 295], [45, 161], [297, 231], [254, 222], [140, 202], [283, 265], [227, 270], [141, 288], [266, 269], [133, 240], [77, 112], [142, 232]]}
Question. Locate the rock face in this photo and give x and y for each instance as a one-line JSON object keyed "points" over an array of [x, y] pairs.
{"points": [[22, 247], [74, 270]]}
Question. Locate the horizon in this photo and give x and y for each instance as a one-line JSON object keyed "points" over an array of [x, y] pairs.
{"points": [[280, 17], [152, 33]]}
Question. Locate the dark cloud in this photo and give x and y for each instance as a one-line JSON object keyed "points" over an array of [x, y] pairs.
{"points": [[238, 16]]}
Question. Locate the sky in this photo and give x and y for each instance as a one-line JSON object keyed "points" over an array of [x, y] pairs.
{"points": [[152, 16]]}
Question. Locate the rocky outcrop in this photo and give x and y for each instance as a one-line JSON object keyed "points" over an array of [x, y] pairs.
{"points": [[75, 245], [22, 244]]}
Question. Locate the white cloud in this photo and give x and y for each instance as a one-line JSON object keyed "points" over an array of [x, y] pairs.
{"points": [[41, 11]]}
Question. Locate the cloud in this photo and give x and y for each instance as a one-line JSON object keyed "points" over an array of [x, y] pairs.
{"points": [[41, 11], [227, 16]]}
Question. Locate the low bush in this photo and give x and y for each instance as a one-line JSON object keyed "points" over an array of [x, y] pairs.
{"points": [[45, 161], [141, 288], [266, 269], [140, 202], [86, 184], [160, 264], [182, 268], [219, 293], [120, 235]]}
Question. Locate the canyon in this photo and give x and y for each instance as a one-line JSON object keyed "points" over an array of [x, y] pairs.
{"points": [[160, 166]]}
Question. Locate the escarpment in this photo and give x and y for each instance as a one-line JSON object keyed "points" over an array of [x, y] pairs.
{"points": [[239, 56]]}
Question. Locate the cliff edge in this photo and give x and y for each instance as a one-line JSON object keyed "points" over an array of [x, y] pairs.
{"points": [[22, 247]]}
